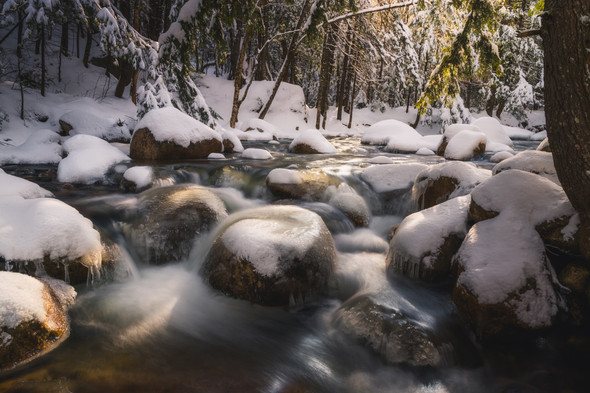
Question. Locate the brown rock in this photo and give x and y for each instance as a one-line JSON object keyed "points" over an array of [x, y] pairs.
{"points": [[575, 277], [314, 184], [145, 147]]}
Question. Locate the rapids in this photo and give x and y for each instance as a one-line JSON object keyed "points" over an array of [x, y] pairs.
{"points": [[163, 329]]}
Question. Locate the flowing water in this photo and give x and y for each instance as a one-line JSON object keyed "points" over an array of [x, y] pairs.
{"points": [[163, 329]]}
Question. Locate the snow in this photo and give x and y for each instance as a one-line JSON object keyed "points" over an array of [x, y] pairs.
{"points": [[391, 177], [313, 138], [538, 162], [22, 300], [216, 156], [380, 160], [424, 151], [16, 186], [263, 235], [33, 228], [89, 122], [141, 176], [233, 138], [493, 130], [41, 147], [453, 129], [498, 257], [170, 124], [517, 133], [422, 234], [256, 154], [539, 136], [523, 195], [284, 176], [463, 144], [89, 158], [501, 156], [259, 130], [381, 132]]}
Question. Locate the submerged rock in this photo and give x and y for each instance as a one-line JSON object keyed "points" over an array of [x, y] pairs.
{"points": [[33, 317], [168, 219], [275, 256], [388, 332], [309, 185]]}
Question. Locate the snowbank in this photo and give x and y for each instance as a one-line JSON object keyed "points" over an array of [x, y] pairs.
{"points": [[15, 186], [381, 132], [83, 121], [41, 147]]}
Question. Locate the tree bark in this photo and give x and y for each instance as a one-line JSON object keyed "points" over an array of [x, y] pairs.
{"points": [[87, 47], [126, 71], [43, 71], [566, 39], [326, 65], [65, 39]]}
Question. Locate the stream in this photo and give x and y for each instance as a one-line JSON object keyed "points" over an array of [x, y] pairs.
{"points": [[163, 329]]}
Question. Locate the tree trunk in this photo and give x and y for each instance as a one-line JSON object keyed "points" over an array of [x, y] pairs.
{"points": [[126, 71], [326, 65], [408, 100], [167, 7], [491, 104], [19, 55], [566, 39], [353, 93], [501, 105], [238, 81], [43, 71], [289, 56], [87, 47], [137, 15], [343, 98]]}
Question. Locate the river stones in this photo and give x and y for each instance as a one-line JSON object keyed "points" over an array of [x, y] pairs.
{"points": [[169, 134], [274, 256], [388, 332], [33, 317], [441, 182], [167, 220], [294, 184], [423, 245]]}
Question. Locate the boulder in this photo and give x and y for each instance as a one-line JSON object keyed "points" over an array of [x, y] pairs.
{"points": [[576, 277], [450, 132], [311, 142], [466, 145], [83, 121], [388, 332], [441, 182], [33, 317], [544, 146], [167, 220], [294, 184], [534, 161], [352, 205], [504, 281], [423, 245], [169, 134], [274, 256]]}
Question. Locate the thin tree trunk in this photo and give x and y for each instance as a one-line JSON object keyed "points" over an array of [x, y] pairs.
{"points": [[87, 47], [326, 65], [78, 31], [137, 14], [133, 91], [566, 37], [19, 55], [290, 54], [342, 83], [238, 81], [65, 39], [155, 26], [408, 100], [43, 71], [352, 101]]}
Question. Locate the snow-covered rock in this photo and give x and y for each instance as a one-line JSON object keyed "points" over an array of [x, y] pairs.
{"points": [[16, 186], [381, 132], [295, 184], [530, 198], [517, 133], [423, 245], [534, 161], [89, 158], [138, 178], [41, 147], [544, 145], [465, 145], [494, 131], [380, 160], [168, 219], [258, 130], [450, 131], [231, 142], [500, 156], [81, 121], [424, 151], [445, 181], [351, 204], [46, 229], [274, 255], [311, 141], [167, 134], [539, 136], [505, 281], [33, 317], [392, 184], [256, 154]]}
